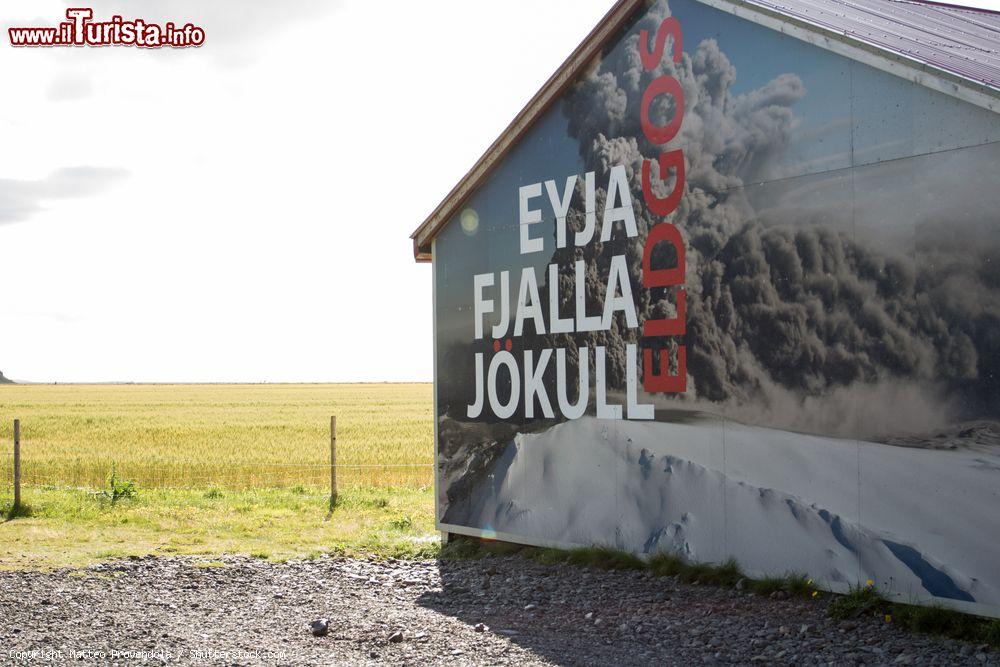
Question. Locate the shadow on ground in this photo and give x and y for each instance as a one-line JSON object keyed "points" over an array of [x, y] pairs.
{"points": [[569, 615]]}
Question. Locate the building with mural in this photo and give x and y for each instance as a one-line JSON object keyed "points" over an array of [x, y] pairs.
{"points": [[729, 286]]}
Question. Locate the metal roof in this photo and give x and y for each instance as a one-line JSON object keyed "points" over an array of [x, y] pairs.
{"points": [[949, 48], [961, 40]]}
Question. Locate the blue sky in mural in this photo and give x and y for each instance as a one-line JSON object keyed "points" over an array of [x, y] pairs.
{"points": [[760, 55]]}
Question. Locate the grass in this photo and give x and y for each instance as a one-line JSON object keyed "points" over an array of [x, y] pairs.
{"points": [[859, 600], [800, 585], [768, 585], [121, 471], [224, 436], [72, 528], [600, 557], [604, 558], [666, 565], [930, 619], [112, 471], [65, 527], [727, 574]]}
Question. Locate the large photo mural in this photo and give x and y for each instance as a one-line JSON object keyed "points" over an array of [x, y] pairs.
{"points": [[733, 295]]}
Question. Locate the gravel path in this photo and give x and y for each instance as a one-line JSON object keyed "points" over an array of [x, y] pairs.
{"points": [[500, 611]]}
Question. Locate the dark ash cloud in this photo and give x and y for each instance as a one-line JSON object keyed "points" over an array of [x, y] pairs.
{"points": [[785, 308]]}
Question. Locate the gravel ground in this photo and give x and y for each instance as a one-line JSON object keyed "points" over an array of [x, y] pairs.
{"points": [[499, 611]]}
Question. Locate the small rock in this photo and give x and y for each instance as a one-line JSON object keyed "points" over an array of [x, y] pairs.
{"points": [[902, 659], [396, 637], [589, 615], [373, 654], [320, 627], [847, 626], [981, 657], [805, 629], [598, 621], [480, 627], [529, 607], [623, 627], [741, 584]]}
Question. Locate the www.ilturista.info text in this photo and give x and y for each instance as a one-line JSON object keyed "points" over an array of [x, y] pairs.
{"points": [[82, 30]]}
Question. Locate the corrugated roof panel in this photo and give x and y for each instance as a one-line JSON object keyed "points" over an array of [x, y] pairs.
{"points": [[963, 41]]}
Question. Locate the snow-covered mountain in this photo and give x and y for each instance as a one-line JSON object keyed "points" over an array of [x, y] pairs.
{"points": [[841, 510]]}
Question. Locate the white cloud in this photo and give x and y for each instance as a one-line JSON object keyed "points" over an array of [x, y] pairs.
{"points": [[70, 85], [19, 200], [263, 231]]}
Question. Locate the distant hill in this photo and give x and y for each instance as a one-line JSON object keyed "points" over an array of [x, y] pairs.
{"points": [[4, 380]]}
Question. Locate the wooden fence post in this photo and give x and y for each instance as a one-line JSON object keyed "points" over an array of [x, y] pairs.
{"points": [[17, 463], [333, 460]]}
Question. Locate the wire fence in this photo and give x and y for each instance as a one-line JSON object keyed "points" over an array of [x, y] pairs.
{"points": [[236, 475], [40, 468], [6, 475]]}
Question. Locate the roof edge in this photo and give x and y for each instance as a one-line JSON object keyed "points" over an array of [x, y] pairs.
{"points": [[911, 69], [563, 77], [949, 5]]}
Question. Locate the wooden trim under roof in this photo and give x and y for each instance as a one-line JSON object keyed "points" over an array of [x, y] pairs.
{"points": [[539, 104]]}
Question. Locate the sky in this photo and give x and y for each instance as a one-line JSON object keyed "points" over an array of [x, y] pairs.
{"points": [[241, 212]]}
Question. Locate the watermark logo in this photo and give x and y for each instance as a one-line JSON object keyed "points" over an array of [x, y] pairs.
{"points": [[82, 30]]}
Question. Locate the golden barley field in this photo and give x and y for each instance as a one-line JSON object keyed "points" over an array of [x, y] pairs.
{"points": [[235, 436]]}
